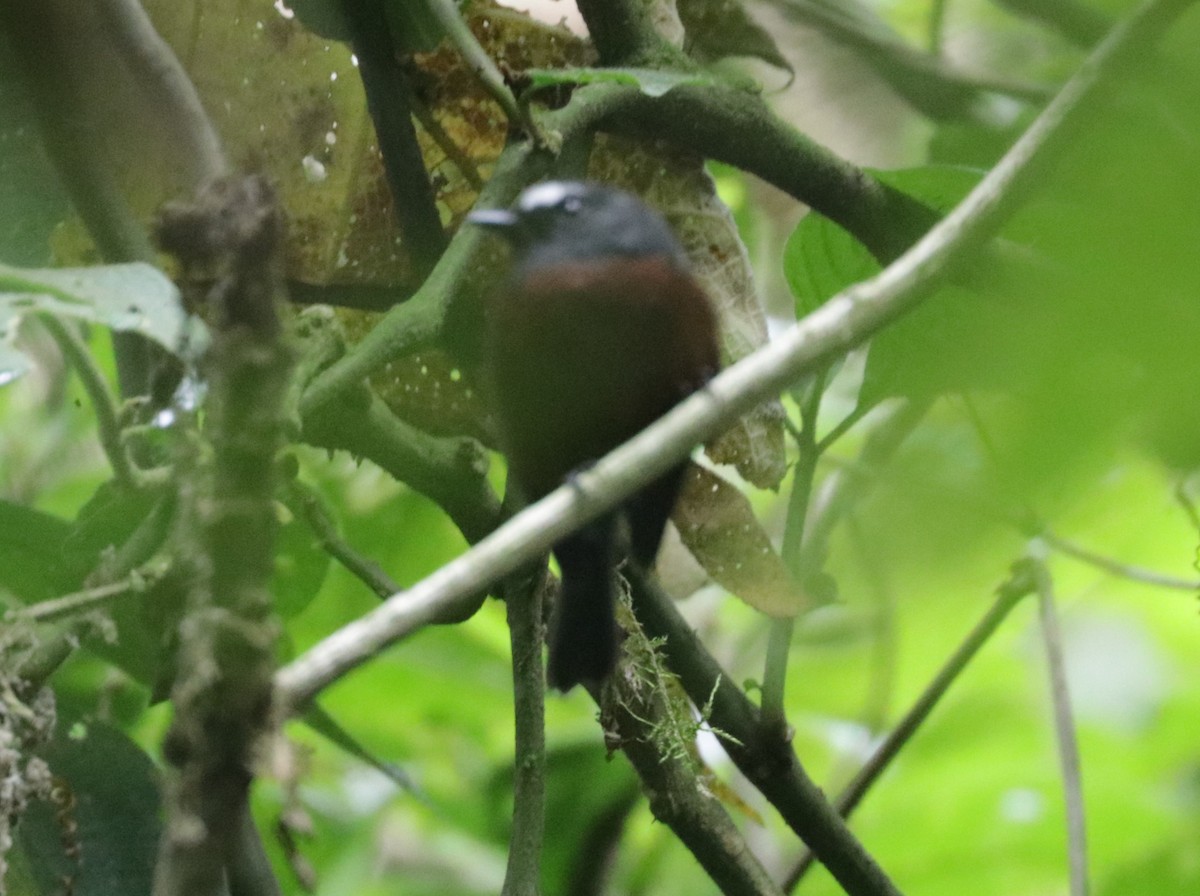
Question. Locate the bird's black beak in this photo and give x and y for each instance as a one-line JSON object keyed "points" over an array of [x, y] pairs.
{"points": [[493, 218]]}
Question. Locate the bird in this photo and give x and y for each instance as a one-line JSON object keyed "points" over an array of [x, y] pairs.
{"points": [[597, 330]]}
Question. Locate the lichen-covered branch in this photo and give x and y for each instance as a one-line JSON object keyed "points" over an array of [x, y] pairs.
{"points": [[670, 781], [222, 697]]}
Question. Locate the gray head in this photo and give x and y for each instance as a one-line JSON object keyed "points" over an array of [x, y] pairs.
{"points": [[564, 221]]}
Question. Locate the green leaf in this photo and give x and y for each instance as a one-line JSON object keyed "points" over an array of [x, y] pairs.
{"points": [[415, 26], [650, 81], [300, 568], [717, 29], [821, 259], [110, 814], [107, 521], [323, 17], [31, 553], [134, 298]]}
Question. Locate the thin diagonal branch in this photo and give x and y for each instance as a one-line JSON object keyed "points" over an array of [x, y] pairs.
{"points": [[1116, 567], [1010, 594], [314, 512], [1064, 729]]}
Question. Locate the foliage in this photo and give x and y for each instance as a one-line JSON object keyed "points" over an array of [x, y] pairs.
{"points": [[1025, 424]]}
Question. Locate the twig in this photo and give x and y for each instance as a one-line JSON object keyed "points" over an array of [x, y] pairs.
{"points": [[1010, 594], [104, 403], [483, 67], [780, 638], [1115, 567], [523, 602], [137, 582], [1064, 729], [366, 570]]}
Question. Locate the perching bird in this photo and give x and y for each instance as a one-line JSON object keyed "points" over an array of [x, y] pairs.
{"points": [[598, 330]]}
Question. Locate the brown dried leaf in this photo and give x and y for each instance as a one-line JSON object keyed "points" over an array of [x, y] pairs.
{"points": [[718, 526]]}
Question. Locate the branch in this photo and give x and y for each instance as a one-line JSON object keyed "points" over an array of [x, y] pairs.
{"points": [[139, 581], [631, 712], [449, 471], [1115, 567], [926, 82], [623, 32], [804, 472], [227, 643], [1064, 729], [738, 128], [388, 101], [1010, 594], [482, 66], [764, 756], [523, 602]]}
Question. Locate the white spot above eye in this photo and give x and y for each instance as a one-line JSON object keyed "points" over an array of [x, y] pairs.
{"points": [[551, 194]]}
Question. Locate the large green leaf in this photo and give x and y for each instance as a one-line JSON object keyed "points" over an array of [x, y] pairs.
{"points": [[912, 356], [31, 553], [103, 835], [134, 298], [821, 258]]}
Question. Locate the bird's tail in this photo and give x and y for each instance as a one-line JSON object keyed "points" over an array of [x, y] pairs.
{"points": [[583, 645]]}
